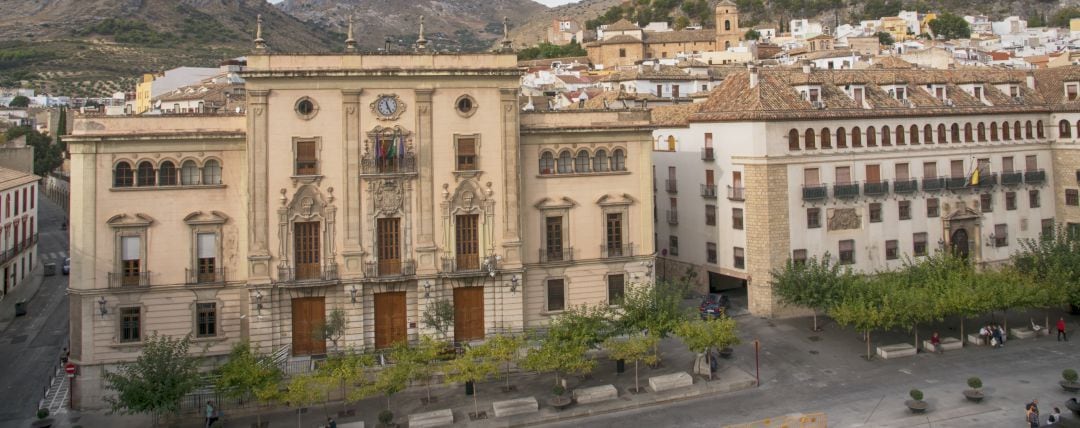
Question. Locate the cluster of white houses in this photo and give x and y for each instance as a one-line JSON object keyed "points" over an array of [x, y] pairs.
{"points": [[18, 226], [869, 166]]}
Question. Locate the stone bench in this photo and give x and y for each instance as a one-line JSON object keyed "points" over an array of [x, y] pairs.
{"points": [[670, 381], [1021, 333], [896, 351], [357, 424], [975, 339], [947, 344], [438, 418], [596, 394], [518, 406]]}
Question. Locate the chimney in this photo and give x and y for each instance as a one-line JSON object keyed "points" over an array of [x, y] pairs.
{"points": [[1031, 79], [753, 75], [806, 67]]}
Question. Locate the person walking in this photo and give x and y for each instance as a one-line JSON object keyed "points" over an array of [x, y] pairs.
{"points": [[1061, 330], [1032, 415], [211, 414]]}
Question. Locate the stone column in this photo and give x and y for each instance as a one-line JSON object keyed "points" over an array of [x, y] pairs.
{"points": [[768, 233], [353, 253], [258, 186], [425, 249], [511, 175]]}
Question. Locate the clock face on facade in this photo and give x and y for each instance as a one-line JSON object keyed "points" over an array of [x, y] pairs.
{"points": [[387, 107]]}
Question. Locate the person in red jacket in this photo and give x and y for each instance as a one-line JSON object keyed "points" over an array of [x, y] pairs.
{"points": [[1061, 330]]}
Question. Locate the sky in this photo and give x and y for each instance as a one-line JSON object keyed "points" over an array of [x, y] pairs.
{"points": [[544, 2]]}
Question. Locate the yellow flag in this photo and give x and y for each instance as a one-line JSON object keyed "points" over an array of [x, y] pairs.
{"points": [[975, 177]]}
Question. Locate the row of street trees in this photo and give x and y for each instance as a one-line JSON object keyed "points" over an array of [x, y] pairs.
{"points": [[1045, 273], [165, 372]]}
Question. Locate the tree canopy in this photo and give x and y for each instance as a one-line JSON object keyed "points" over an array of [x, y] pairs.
{"points": [[19, 101], [156, 381], [949, 26], [548, 50], [47, 156]]}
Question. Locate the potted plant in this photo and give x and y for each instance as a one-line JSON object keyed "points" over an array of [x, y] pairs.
{"points": [[386, 418], [974, 394], [916, 403], [1073, 405], [560, 400], [1070, 384], [43, 420]]}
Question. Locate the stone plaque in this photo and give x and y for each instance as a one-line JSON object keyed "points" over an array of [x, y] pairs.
{"points": [[844, 219]]}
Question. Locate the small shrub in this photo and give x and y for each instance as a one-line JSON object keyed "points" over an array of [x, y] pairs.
{"points": [[42, 413], [1069, 375], [974, 382], [558, 390], [386, 417], [916, 395]]}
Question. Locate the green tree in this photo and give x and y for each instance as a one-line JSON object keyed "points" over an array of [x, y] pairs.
{"points": [[439, 316], [703, 335], [637, 348], [1054, 259], [569, 336], [423, 359], [1063, 16], [47, 156], [19, 101], [654, 308], [305, 390], [682, 22], [504, 349], [474, 366], [862, 307], [349, 371], [752, 34], [817, 283], [885, 38], [548, 50], [249, 373], [395, 377], [949, 27], [156, 381], [333, 329]]}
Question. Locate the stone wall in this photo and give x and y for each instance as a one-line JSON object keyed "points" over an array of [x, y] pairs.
{"points": [[767, 232]]}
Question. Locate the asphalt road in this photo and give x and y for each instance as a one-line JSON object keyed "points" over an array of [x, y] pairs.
{"points": [[30, 346]]}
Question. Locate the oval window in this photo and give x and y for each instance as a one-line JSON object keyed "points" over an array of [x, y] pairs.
{"points": [[305, 107], [465, 105]]}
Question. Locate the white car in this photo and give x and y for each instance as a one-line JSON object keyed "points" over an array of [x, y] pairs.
{"points": [[67, 266]]}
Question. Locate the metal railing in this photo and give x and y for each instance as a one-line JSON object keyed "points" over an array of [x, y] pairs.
{"points": [[462, 263], [708, 191], [302, 274], [876, 188], [389, 268], [548, 255], [672, 185], [707, 154], [933, 184], [673, 216], [18, 248], [1012, 178], [846, 190], [954, 183], [736, 193], [815, 193], [196, 276], [1034, 176], [905, 186], [607, 251], [987, 181], [393, 165], [129, 279]]}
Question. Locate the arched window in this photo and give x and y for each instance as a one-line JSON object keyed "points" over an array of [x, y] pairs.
{"points": [[914, 133], [841, 138], [941, 134], [600, 161], [967, 133], [856, 137], [1029, 130], [886, 136], [1016, 131], [955, 133], [928, 134], [980, 132], [793, 140], [581, 163], [670, 144], [167, 174], [1005, 134], [547, 163], [1064, 129], [211, 172], [144, 176], [123, 175], [566, 162], [900, 140], [618, 160], [1039, 129], [727, 25], [871, 137], [993, 131], [189, 173], [826, 138], [808, 142]]}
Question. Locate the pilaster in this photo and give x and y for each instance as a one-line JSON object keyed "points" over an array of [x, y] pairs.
{"points": [[258, 186], [353, 253], [768, 233], [425, 249], [511, 175]]}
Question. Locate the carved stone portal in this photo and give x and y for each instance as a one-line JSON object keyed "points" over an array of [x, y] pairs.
{"points": [[844, 219]]}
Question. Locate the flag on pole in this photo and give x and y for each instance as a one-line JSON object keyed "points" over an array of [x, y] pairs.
{"points": [[973, 180]]}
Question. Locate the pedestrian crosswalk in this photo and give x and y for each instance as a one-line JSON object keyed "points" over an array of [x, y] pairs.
{"points": [[56, 255]]}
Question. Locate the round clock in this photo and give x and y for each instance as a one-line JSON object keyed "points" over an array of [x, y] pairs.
{"points": [[386, 105]]}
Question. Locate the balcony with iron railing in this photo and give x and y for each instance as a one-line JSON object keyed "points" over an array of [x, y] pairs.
{"points": [[462, 263], [708, 191], [1012, 178], [672, 185], [933, 184], [673, 217], [389, 165], [17, 249], [129, 279], [308, 274], [956, 183], [876, 188], [987, 181], [815, 192], [1034, 176], [389, 268], [707, 154], [609, 251], [905, 186], [204, 276], [556, 254], [846, 190], [736, 193]]}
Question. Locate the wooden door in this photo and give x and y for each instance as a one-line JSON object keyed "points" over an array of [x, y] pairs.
{"points": [[468, 242], [468, 313], [306, 246], [391, 325], [308, 314], [389, 239]]}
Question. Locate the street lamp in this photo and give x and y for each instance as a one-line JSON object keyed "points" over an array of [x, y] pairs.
{"points": [[427, 289], [352, 293], [258, 301], [101, 306], [513, 284]]}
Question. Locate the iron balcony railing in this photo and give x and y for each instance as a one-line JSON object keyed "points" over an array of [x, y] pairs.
{"points": [[672, 185], [129, 279], [846, 190], [212, 276], [933, 184], [392, 165], [954, 183], [1012, 178], [905, 186], [708, 191], [876, 188], [462, 263], [389, 268], [1034, 176], [707, 154], [548, 255], [815, 192], [987, 181], [17, 249], [304, 273], [736, 193], [673, 217], [608, 251]]}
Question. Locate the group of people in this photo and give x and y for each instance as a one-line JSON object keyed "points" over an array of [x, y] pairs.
{"points": [[1032, 416], [993, 335]]}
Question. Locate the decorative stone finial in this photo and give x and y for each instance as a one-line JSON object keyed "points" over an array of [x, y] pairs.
{"points": [[421, 42], [507, 45], [350, 43], [260, 44]]}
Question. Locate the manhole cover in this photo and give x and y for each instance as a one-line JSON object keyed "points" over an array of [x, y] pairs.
{"points": [[813, 352], [18, 339], [814, 338]]}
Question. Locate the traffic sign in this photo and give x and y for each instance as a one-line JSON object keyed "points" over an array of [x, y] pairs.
{"points": [[69, 368]]}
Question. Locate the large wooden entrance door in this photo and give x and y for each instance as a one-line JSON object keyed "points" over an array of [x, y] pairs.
{"points": [[468, 313], [390, 321], [308, 314], [306, 245], [389, 242], [960, 245], [468, 242]]}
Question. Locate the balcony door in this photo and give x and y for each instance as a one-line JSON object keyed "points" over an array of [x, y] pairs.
{"points": [[553, 239], [306, 246], [468, 313], [389, 241], [308, 314], [467, 234]]}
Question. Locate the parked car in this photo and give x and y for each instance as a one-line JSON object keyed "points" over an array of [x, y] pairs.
{"points": [[67, 266], [713, 305]]}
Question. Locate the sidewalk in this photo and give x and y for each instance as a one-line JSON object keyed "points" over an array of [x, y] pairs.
{"points": [[24, 291]]}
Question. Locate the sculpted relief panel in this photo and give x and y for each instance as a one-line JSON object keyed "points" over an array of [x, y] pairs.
{"points": [[844, 219]]}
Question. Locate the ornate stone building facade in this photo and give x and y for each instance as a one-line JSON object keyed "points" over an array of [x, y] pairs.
{"points": [[373, 185]]}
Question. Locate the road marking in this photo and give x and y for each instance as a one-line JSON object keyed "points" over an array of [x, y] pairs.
{"points": [[905, 371]]}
